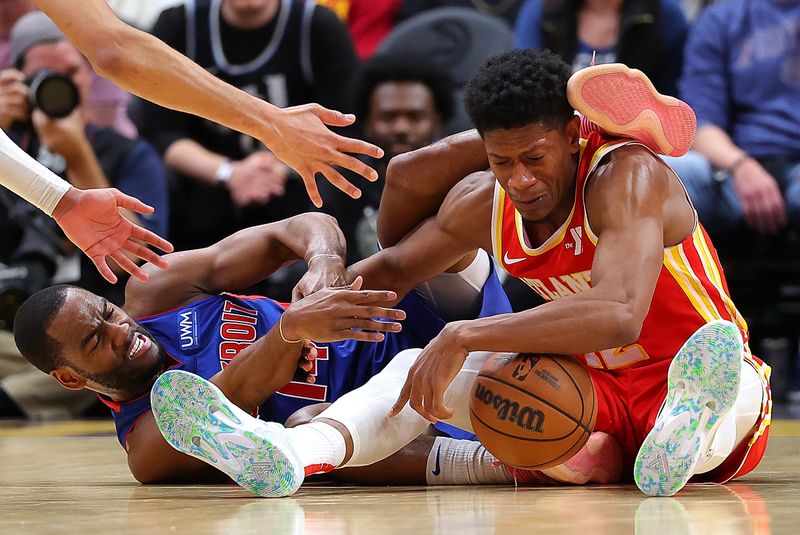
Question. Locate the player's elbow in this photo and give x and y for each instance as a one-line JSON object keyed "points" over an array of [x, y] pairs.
{"points": [[626, 325], [400, 172], [110, 63], [107, 53]]}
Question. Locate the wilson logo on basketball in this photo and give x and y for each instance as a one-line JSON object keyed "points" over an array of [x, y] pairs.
{"points": [[525, 417]]}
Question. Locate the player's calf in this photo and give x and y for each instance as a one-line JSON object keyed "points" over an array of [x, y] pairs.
{"points": [[702, 386]]}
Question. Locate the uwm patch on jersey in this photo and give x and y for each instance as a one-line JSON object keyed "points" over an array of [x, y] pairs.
{"points": [[690, 291]]}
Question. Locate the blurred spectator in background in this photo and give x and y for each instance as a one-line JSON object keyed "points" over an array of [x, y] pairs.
{"points": [[693, 8], [368, 21], [742, 77], [458, 40], [71, 145], [287, 52], [402, 102], [648, 35], [10, 12], [32, 249]]}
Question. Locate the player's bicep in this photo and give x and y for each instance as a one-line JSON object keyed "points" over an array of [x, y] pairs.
{"points": [[152, 460], [625, 209]]}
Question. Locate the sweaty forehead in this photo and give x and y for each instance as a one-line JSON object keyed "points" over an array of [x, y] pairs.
{"points": [[76, 315], [507, 142]]}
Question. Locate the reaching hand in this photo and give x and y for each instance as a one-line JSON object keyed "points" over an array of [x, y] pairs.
{"points": [[431, 374], [91, 220], [301, 141], [761, 198], [332, 315], [324, 271]]}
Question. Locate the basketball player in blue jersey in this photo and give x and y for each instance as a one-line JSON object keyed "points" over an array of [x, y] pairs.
{"points": [[184, 320]]}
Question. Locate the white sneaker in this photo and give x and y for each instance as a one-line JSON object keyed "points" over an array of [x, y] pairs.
{"points": [[196, 418], [702, 385]]}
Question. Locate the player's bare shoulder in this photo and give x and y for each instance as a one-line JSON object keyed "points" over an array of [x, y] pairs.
{"points": [[467, 210], [633, 180]]}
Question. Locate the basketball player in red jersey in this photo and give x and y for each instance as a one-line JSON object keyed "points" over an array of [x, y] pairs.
{"points": [[603, 230]]}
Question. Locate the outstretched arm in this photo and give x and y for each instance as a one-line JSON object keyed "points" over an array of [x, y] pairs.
{"points": [[239, 261], [150, 69], [417, 182]]}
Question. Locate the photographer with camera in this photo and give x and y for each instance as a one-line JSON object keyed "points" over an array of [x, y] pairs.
{"points": [[41, 111]]}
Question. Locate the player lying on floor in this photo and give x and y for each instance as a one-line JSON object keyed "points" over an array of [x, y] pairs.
{"points": [[603, 230], [183, 320]]}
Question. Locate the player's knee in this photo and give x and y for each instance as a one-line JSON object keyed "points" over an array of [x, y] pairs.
{"points": [[305, 415]]}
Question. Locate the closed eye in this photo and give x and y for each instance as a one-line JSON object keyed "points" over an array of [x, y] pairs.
{"points": [[107, 313]]}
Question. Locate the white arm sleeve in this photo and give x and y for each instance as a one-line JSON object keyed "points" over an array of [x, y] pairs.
{"points": [[28, 178]]}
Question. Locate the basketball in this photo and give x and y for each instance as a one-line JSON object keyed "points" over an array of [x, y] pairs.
{"points": [[533, 411]]}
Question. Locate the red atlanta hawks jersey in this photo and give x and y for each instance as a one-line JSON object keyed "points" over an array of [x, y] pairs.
{"points": [[691, 288]]}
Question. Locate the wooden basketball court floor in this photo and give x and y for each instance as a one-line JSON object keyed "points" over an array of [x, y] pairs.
{"points": [[72, 478]]}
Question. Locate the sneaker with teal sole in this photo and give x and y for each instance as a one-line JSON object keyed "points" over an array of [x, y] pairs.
{"points": [[702, 386], [196, 418]]}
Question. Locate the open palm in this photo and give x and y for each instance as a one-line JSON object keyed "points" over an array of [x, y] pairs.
{"points": [[91, 219]]}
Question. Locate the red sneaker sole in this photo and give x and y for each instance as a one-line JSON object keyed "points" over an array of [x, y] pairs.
{"points": [[623, 102]]}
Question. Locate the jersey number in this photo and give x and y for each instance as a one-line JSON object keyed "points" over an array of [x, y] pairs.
{"points": [[303, 390], [618, 357]]}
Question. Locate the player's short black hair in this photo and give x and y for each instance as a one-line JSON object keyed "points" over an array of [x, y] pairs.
{"points": [[31, 323], [518, 88], [405, 68]]}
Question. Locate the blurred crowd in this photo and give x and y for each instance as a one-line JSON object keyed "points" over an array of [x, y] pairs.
{"points": [[400, 65]]}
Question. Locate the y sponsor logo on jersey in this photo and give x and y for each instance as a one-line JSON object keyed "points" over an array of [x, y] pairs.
{"points": [[187, 329], [577, 240]]}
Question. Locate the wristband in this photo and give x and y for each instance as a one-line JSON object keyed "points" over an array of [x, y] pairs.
{"points": [[280, 331], [224, 172]]}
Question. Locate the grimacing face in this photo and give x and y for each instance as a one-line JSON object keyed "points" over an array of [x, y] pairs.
{"points": [[536, 166], [103, 346], [402, 117]]}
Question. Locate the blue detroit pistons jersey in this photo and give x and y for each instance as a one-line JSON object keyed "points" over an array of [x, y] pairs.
{"points": [[204, 336]]}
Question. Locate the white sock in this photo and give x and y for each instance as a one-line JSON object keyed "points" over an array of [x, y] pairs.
{"points": [[365, 413], [319, 446], [463, 462]]}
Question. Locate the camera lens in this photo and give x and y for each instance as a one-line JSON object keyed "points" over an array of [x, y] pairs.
{"points": [[55, 94]]}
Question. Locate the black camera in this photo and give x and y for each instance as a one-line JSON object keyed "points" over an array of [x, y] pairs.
{"points": [[55, 94], [30, 259], [18, 281]]}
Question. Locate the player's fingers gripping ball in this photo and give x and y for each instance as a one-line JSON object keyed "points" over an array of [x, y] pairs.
{"points": [[533, 411]]}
